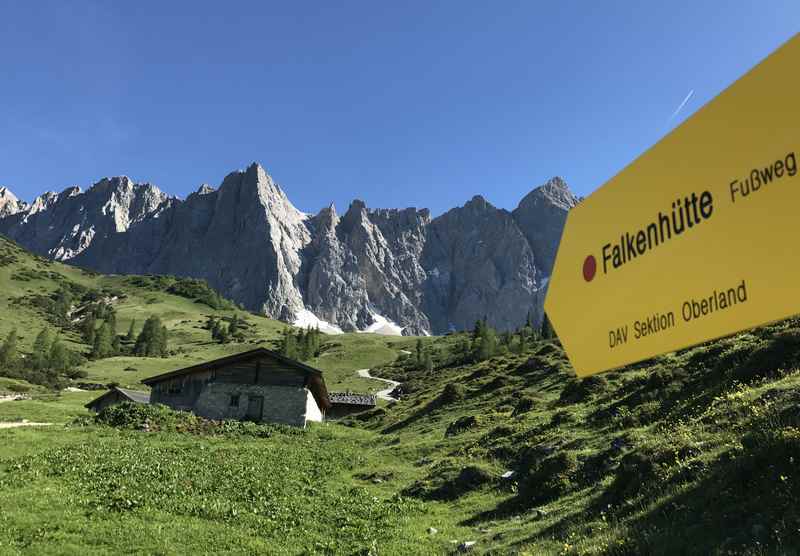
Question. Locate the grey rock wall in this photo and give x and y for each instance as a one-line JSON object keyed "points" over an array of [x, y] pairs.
{"points": [[428, 275]]}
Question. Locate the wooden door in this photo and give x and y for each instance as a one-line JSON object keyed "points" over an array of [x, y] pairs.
{"points": [[255, 404]]}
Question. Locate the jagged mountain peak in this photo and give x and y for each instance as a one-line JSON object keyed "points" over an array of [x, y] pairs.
{"points": [[541, 215], [356, 215], [249, 242], [9, 203], [71, 191], [111, 183], [555, 192], [327, 217], [478, 202], [255, 184]]}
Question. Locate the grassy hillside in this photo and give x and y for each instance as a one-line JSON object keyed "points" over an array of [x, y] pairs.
{"points": [[694, 452], [28, 282], [691, 453]]}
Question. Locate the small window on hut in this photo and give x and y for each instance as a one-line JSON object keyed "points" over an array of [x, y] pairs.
{"points": [[234, 400]]}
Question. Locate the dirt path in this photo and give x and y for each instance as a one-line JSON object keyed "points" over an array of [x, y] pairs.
{"points": [[23, 423], [12, 398], [383, 394]]}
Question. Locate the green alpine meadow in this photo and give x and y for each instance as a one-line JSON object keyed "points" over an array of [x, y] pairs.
{"points": [[493, 447]]}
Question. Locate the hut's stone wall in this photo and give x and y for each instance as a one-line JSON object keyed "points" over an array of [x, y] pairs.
{"points": [[262, 390], [279, 404]]}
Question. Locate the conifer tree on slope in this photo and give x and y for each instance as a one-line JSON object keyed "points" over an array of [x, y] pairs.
{"points": [[9, 354], [40, 355], [103, 342]]}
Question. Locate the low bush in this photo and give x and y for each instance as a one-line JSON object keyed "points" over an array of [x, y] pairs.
{"points": [[461, 424], [524, 405], [452, 392], [448, 480], [156, 417], [577, 390], [781, 352], [548, 478]]}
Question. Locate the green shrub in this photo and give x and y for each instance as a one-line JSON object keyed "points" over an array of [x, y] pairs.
{"points": [[129, 415], [549, 478], [448, 480], [158, 417], [461, 424], [452, 392], [524, 405], [577, 390], [782, 352], [562, 418]]}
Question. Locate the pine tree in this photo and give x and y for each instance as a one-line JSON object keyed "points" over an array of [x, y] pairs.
{"points": [[523, 343], [427, 360], [487, 345], [41, 350], [88, 328], [152, 340], [223, 335], [103, 342], [479, 329], [163, 341], [59, 359], [9, 356], [63, 302], [289, 344], [131, 335], [420, 348], [547, 332], [116, 345], [233, 327], [111, 319], [464, 349], [315, 341]]}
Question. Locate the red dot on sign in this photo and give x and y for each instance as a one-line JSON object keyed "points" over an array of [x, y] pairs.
{"points": [[589, 268]]}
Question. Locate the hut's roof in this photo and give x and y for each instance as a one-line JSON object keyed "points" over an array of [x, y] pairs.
{"points": [[352, 398], [131, 395], [315, 381]]}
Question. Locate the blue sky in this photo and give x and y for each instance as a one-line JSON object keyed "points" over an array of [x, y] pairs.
{"points": [[397, 103]]}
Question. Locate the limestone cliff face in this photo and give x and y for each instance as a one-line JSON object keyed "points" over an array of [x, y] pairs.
{"points": [[354, 271], [9, 204], [479, 264], [541, 215], [364, 264], [63, 225]]}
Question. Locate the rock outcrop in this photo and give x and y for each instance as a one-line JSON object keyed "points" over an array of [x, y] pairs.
{"points": [[9, 204], [384, 269]]}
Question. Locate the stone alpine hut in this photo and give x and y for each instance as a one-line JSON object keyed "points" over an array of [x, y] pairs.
{"points": [[257, 385], [117, 395]]}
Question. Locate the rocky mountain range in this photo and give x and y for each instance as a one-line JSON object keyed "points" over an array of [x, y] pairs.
{"points": [[383, 270]]}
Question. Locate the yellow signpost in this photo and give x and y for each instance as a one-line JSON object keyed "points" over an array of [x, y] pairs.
{"points": [[696, 239]]}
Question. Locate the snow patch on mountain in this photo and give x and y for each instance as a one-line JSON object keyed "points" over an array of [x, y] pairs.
{"points": [[307, 319], [383, 326]]}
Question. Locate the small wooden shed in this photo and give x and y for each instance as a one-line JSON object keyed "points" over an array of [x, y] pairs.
{"points": [[117, 395], [257, 385], [348, 403]]}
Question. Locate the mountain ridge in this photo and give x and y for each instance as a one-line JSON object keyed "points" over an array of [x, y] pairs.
{"points": [[423, 275]]}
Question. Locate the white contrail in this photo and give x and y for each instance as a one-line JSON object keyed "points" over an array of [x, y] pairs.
{"points": [[682, 104]]}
